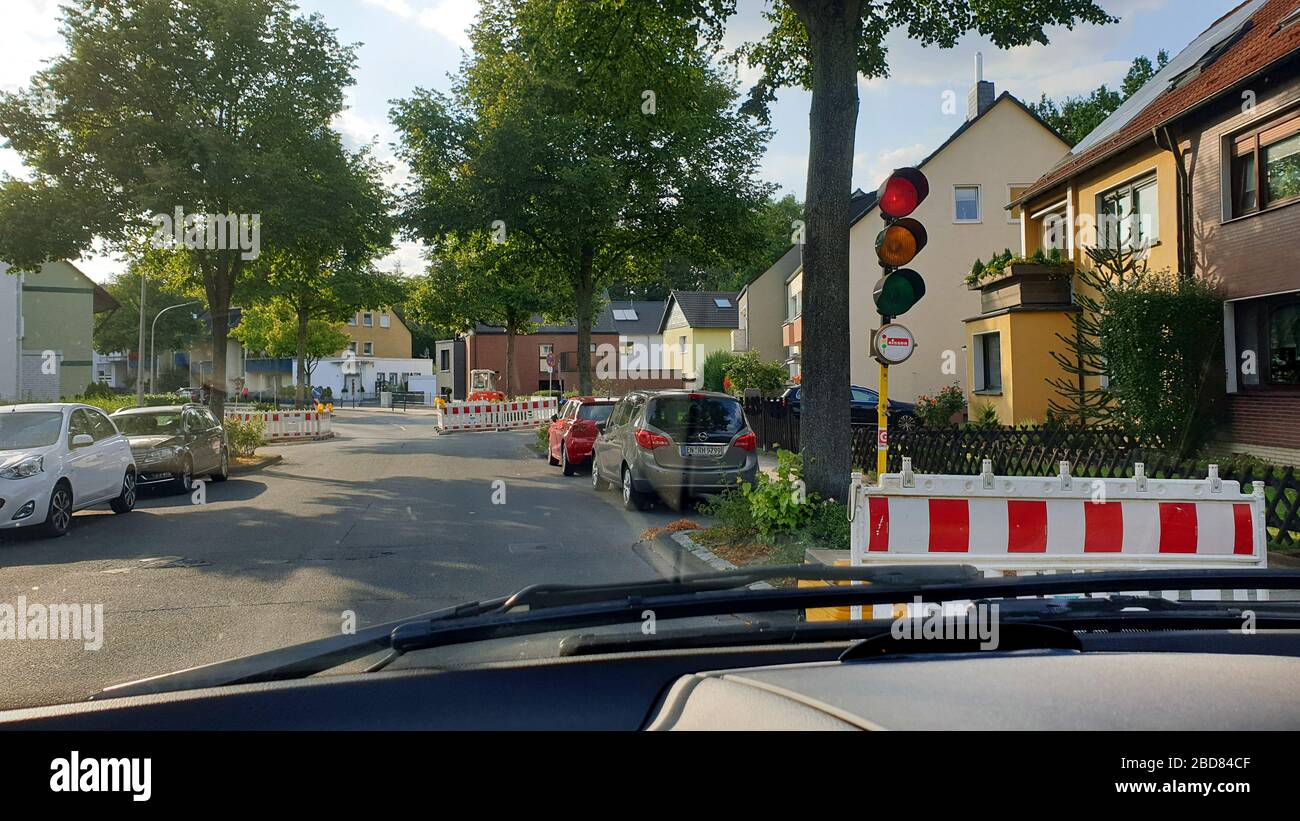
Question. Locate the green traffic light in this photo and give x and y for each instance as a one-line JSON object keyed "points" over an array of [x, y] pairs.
{"points": [[898, 291]]}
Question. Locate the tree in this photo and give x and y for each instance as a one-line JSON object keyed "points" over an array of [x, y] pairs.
{"points": [[197, 104], [119, 330], [597, 133], [474, 280], [823, 45], [326, 272], [1076, 117], [274, 329]]}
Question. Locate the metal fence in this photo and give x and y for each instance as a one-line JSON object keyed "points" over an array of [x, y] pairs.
{"points": [[1105, 453]]}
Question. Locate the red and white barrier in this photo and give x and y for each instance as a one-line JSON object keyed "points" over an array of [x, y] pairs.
{"points": [[290, 425], [523, 413], [1008, 525]]}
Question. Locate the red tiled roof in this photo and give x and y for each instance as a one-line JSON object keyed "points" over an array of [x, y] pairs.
{"points": [[1261, 46]]}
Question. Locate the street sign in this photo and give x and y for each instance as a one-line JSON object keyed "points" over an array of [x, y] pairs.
{"points": [[893, 344], [550, 361]]}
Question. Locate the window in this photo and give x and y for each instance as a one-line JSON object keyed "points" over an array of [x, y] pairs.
{"points": [[722, 303], [544, 351], [795, 306], [368, 348], [444, 360], [1266, 166], [988, 363], [352, 347], [352, 320], [862, 395], [368, 320], [624, 314], [1056, 228], [1129, 216], [1013, 194], [1283, 341], [966, 203], [383, 320], [100, 426], [78, 424]]}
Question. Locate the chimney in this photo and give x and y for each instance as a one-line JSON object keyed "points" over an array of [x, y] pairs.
{"points": [[981, 94]]}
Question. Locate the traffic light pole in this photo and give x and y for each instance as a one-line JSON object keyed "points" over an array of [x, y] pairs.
{"points": [[882, 417]]}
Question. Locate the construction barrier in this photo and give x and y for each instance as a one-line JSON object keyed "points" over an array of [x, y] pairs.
{"points": [[523, 413], [288, 425], [1012, 525]]}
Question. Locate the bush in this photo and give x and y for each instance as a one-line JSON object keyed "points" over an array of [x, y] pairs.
{"points": [[937, 411], [115, 402], [986, 416], [747, 370], [732, 510], [99, 391], [543, 442], [780, 504], [829, 525], [715, 370], [245, 437]]}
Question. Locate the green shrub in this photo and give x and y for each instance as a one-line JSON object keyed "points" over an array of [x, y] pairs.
{"points": [[780, 504], [99, 391], [245, 437], [732, 510], [829, 525], [543, 442], [937, 411], [986, 416], [715, 369], [748, 370]]}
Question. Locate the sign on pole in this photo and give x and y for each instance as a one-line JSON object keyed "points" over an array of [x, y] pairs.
{"points": [[892, 344]]}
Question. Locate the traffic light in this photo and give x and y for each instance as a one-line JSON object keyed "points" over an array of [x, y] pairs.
{"points": [[901, 240]]}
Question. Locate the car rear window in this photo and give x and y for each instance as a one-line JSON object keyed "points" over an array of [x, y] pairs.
{"points": [[695, 414], [596, 413]]}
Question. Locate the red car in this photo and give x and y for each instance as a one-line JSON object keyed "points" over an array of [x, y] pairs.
{"points": [[574, 430]]}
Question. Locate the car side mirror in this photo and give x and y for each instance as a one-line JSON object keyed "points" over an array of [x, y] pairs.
{"points": [[555, 417], [600, 426], [81, 440]]}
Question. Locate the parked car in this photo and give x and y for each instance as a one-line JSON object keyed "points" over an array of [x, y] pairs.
{"points": [[674, 444], [862, 407], [574, 429], [58, 458], [175, 443]]}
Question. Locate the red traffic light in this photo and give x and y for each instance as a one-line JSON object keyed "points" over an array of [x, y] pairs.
{"points": [[902, 192]]}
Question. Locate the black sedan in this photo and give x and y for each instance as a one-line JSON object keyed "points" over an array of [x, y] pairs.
{"points": [[175, 443], [862, 405]]}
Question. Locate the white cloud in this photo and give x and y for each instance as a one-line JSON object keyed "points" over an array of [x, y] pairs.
{"points": [[451, 19], [29, 37], [871, 171], [408, 257], [399, 7]]}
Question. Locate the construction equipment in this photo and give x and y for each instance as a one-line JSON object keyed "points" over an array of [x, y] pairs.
{"points": [[483, 387]]}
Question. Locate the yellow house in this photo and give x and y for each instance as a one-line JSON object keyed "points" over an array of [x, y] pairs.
{"points": [[1119, 187], [380, 333], [696, 324]]}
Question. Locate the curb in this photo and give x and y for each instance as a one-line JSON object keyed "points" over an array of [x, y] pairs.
{"points": [[677, 554], [263, 462]]}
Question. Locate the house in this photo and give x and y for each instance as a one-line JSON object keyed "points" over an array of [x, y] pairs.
{"points": [[47, 321], [449, 367], [999, 150], [761, 307], [1184, 172], [694, 325], [624, 341], [380, 333]]}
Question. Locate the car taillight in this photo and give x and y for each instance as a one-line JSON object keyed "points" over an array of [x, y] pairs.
{"points": [[649, 440], [747, 442]]}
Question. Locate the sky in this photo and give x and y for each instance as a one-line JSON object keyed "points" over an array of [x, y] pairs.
{"points": [[407, 44]]}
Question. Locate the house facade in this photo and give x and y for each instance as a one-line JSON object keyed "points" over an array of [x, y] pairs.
{"points": [[696, 324], [378, 332], [761, 309], [47, 321]]}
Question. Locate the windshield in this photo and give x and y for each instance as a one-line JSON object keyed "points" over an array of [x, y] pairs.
{"points": [[596, 413], [581, 233], [148, 424], [681, 415], [29, 430]]}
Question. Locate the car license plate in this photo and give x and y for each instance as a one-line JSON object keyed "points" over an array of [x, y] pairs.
{"points": [[702, 450]]}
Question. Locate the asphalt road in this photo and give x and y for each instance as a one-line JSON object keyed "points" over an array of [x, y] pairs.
{"points": [[386, 520]]}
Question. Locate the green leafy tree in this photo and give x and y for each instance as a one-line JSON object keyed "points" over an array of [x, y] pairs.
{"points": [[823, 45], [159, 104], [1076, 117], [273, 329], [599, 134], [119, 330]]}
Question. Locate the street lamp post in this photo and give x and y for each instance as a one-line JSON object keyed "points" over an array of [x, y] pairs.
{"points": [[152, 330]]}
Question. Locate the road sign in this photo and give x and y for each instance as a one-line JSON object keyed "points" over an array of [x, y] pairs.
{"points": [[893, 344], [550, 361]]}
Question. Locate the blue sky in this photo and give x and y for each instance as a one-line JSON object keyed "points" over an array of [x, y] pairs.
{"points": [[410, 43]]}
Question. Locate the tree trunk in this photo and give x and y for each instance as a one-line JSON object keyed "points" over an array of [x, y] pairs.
{"points": [[299, 396], [826, 435], [219, 277], [584, 297]]}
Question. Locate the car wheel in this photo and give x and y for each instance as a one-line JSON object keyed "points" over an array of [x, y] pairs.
{"points": [[125, 501], [597, 483], [906, 422], [632, 498], [566, 467], [223, 472], [183, 482], [58, 519], [550, 457]]}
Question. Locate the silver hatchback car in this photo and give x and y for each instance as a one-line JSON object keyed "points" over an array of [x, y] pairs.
{"points": [[674, 444]]}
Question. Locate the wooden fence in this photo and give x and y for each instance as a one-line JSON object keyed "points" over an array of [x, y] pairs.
{"points": [[1037, 451]]}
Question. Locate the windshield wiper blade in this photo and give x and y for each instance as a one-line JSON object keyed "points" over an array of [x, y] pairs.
{"points": [[420, 634]]}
